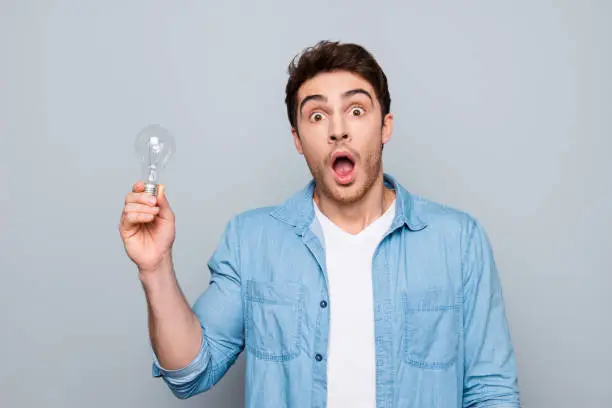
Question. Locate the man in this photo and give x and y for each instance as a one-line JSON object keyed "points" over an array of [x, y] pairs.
{"points": [[352, 293]]}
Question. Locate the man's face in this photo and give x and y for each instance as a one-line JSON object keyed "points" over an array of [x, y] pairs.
{"points": [[340, 132]]}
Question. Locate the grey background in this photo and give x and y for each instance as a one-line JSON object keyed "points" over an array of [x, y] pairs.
{"points": [[502, 109]]}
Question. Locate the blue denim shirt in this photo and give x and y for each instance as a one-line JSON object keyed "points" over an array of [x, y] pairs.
{"points": [[441, 334]]}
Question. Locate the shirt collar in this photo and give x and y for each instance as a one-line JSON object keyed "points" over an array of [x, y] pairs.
{"points": [[298, 210]]}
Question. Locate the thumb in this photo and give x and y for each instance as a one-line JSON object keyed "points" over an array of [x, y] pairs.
{"points": [[165, 211]]}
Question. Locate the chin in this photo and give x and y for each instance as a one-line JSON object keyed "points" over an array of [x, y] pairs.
{"points": [[345, 194]]}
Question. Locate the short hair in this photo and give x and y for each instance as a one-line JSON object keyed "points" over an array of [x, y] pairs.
{"points": [[330, 56]]}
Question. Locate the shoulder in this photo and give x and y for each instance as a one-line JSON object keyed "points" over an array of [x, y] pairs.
{"points": [[446, 221], [254, 216], [257, 223], [452, 225], [441, 216]]}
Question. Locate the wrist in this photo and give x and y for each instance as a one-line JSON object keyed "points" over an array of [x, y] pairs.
{"points": [[159, 273]]}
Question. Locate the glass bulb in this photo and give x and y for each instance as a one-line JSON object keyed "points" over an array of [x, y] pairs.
{"points": [[154, 146]]}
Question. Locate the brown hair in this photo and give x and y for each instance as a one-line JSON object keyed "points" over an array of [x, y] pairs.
{"points": [[328, 56]]}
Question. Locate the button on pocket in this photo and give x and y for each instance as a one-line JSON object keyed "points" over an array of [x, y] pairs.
{"points": [[273, 319], [431, 334]]}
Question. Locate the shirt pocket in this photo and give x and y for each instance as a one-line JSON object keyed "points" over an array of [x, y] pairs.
{"points": [[431, 334], [274, 313]]}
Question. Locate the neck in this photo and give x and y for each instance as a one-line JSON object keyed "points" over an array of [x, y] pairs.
{"points": [[356, 216]]}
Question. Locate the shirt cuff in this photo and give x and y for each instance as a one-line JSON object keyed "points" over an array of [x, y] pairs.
{"points": [[184, 374]]}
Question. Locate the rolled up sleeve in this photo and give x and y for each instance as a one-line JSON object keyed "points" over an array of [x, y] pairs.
{"points": [[219, 310], [185, 374], [490, 366]]}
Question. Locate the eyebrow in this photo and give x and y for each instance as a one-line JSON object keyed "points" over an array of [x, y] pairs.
{"points": [[318, 97]]}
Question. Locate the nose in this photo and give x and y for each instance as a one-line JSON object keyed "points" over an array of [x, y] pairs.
{"points": [[335, 138], [337, 130]]}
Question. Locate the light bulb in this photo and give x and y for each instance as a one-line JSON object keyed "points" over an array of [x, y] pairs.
{"points": [[154, 146]]}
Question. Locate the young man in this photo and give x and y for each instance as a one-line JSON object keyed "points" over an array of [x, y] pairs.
{"points": [[352, 293]]}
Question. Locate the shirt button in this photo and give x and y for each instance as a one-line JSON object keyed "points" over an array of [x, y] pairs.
{"points": [[318, 357], [323, 304]]}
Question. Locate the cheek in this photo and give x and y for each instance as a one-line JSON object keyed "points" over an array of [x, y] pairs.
{"points": [[366, 134], [314, 140], [314, 131], [312, 153], [314, 157]]}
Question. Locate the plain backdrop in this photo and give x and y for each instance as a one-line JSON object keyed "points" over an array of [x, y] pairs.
{"points": [[502, 109]]}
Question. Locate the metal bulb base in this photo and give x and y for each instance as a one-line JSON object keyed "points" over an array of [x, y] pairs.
{"points": [[151, 189]]}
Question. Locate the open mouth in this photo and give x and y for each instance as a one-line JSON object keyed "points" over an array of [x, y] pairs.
{"points": [[343, 166]]}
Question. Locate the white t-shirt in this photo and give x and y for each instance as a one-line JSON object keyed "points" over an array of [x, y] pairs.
{"points": [[351, 361]]}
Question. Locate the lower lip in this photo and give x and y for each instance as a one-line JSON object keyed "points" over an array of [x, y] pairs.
{"points": [[344, 179]]}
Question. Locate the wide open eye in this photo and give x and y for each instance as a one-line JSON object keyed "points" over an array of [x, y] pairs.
{"points": [[357, 111], [316, 117]]}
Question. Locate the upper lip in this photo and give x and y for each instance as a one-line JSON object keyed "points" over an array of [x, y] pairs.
{"points": [[342, 153]]}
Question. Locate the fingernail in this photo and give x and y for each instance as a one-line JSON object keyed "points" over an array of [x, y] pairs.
{"points": [[152, 200]]}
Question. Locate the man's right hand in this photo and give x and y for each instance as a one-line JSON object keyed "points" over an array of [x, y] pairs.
{"points": [[147, 228]]}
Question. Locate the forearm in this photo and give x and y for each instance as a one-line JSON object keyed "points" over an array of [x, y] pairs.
{"points": [[175, 331]]}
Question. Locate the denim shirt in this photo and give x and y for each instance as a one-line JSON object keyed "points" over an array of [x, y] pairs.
{"points": [[441, 333]]}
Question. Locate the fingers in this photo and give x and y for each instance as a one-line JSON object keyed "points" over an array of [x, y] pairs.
{"points": [[134, 213], [140, 198], [140, 208], [137, 218], [138, 187], [165, 211]]}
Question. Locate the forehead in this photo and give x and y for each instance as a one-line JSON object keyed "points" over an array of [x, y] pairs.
{"points": [[333, 84]]}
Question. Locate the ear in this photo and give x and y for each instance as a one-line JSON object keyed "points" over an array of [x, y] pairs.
{"points": [[387, 128], [297, 141]]}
